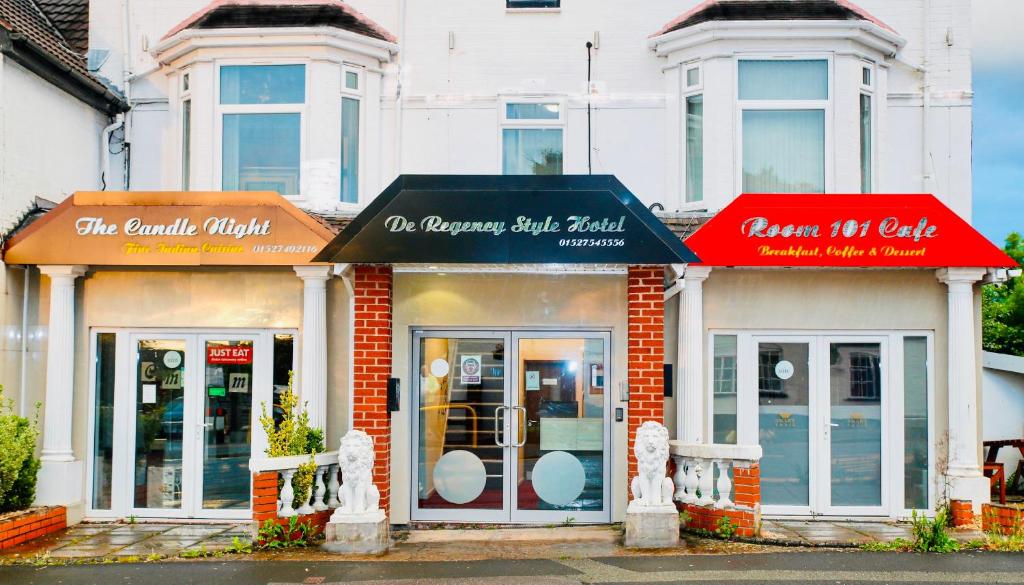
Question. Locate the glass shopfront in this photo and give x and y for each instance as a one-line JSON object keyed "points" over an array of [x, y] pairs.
{"points": [[511, 426], [175, 415]]}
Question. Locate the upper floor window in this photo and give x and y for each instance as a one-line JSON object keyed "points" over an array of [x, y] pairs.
{"points": [[186, 133], [866, 126], [261, 109], [532, 3], [350, 101], [783, 106], [532, 138], [693, 114]]}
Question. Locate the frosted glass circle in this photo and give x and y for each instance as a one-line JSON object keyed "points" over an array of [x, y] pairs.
{"points": [[439, 368], [459, 477], [558, 478]]}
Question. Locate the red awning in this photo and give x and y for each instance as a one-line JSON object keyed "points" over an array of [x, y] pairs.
{"points": [[827, 230]]}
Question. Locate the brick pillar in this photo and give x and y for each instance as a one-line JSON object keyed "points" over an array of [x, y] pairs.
{"points": [[371, 367], [646, 345], [962, 512], [264, 496]]}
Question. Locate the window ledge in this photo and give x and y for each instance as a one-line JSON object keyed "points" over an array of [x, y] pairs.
{"points": [[532, 10]]}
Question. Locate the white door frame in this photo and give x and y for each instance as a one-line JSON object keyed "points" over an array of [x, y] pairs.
{"points": [[125, 396]]}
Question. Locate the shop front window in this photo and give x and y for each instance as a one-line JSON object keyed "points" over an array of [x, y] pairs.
{"points": [[532, 139], [724, 382], [261, 108], [783, 103], [103, 422], [915, 423]]}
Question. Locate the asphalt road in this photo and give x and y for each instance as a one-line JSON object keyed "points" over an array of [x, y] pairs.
{"points": [[790, 567]]}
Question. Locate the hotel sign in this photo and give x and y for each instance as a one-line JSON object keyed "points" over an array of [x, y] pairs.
{"points": [[170, 229], [842, 231], [507, 220]]}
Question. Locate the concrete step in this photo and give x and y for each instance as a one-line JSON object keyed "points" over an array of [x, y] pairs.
{"points": [[601, 533]]}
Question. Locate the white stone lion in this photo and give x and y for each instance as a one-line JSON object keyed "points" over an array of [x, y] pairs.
{"points": [[358, 494], [651, 488]]}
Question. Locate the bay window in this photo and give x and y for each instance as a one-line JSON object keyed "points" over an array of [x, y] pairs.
{"points": [[783, 105], [532, 138], [261, 108], [865, 129], [693, 113]]}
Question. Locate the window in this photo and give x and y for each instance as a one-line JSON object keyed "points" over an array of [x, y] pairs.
{"points": [[532, 3], [350, 138], [865, 143], [768, 383], [695, 148], [532, 138], [103, 421], [186, 145], [783, 103], [693, 77], [865, 376], [723, 425], [915, 423], [261, 108]]}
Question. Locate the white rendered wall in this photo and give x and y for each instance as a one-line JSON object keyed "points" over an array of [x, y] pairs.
{"points": [[450, 97], [1003, 412]]}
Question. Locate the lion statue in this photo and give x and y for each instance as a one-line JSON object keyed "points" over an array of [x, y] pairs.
{"points": [[355, 458], [651, 488]]}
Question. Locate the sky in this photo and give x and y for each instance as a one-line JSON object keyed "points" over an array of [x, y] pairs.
{"points": [[998, 138]]}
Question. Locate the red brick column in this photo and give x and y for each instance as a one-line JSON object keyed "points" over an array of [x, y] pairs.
{"points": [[646, 346], [264, 496], [371, 366], [962, 512]]}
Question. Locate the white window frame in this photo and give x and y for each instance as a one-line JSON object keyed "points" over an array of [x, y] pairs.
{"points": [[504, 123], [892, 363], [739, 106], [528, 9], [357, 94], [220, 110], [687, 91]]}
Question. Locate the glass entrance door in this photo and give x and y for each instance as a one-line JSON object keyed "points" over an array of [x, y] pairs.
{"points": [[821, 415], [510, 426], [193, 400], [853, 431], [559, 456]]}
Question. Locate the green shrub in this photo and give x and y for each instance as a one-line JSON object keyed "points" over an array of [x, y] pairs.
{"points": [[931, 535], [726, 529], [293, 436], [18, 463]]}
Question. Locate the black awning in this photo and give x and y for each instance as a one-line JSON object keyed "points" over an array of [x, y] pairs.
{"points": [[488, 219]]}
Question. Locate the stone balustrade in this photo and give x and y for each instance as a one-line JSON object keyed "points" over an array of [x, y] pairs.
{"points": [[713, 481], [269, 502]]}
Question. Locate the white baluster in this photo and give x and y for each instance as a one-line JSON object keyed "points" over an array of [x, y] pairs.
{"points": [[706, 476], [321, 489], [307, 507], [333, 486], [679, 478], [287, 494], [691, 482], [724, 483]]}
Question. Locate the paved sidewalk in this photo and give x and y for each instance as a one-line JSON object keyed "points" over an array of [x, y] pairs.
{"points": [[828, 533], [84, 541]]}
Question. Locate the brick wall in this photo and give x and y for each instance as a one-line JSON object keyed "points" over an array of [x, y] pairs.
{"points": [[744, 514], [646, 346], [371, 364], [1002, 519], [20, 527], [962, 512], [264, 505]]}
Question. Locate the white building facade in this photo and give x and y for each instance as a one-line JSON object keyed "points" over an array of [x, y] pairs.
{"points": [[687, 104]]}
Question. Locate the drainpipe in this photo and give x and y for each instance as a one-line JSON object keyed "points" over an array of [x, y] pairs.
{"points": [[126, 73], [24, 340], [399, 114], [105, 149]]}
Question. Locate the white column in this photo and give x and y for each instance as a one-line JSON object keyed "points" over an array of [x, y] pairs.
{"points": [[963, 470], [60, 475], [312, 378], [690, 408]]}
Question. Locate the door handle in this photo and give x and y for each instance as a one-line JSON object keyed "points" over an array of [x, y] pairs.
{"points": [[498, 424], [522, 438]]}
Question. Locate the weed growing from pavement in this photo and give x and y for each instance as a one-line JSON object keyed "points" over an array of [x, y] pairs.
{"points": [[726, 529], [1010, 541]]}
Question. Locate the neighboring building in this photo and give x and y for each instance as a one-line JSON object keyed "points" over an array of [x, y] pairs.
{"points": [[327, 103], [53, 112], [1002, 386]]}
